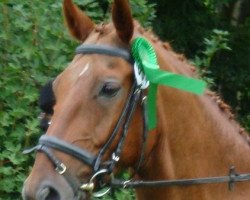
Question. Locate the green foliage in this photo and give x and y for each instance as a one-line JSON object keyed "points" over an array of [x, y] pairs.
{"points": [[215, 5], [143, 12], [29, 48], [216, 42], [232, 71], [35, 47], [183, 23]]}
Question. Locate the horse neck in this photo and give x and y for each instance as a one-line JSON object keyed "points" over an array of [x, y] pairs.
{"points": [[195, 137], [193, 133]]}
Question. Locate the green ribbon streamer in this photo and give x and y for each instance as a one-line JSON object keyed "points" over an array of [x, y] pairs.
{"points": [[146, 60], [157, 76]]}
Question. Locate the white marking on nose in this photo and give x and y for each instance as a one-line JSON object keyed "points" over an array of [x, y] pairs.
{"points": [[85, 69]]}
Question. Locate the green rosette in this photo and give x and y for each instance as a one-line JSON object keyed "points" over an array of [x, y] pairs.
{"points": [[146, 59]]}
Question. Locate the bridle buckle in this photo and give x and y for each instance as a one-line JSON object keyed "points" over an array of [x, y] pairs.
{"points": [[61, 168]]}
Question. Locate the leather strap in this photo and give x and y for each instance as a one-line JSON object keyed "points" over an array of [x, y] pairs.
{"points": [[60, 145], [231, 179], [105, 50]]}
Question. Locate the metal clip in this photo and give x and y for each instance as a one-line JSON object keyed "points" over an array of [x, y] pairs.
{"points": [[115, 158], [125, 184], [232, 175]]}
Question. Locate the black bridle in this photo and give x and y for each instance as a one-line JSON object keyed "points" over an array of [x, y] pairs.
{"points": [[135, 98]]}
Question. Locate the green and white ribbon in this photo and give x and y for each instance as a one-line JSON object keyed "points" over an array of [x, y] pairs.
{"points": [[145, 57]]}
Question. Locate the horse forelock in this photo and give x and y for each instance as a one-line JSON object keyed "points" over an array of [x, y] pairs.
{"points": [[47, 98]]}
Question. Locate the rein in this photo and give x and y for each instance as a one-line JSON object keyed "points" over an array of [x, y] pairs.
{"points": [[231, 179], [135, 98]]}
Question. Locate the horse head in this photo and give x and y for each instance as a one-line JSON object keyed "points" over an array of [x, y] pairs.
{"points": [[98, 119], [93, 99]]}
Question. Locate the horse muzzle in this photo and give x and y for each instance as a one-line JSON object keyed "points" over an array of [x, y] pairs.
{"points": [[50, 189]]}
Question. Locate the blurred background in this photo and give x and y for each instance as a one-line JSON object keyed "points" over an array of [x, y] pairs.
{"points": [[214, 35]]}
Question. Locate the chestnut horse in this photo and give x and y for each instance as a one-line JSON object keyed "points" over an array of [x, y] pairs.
{"points": [[195, 136]]}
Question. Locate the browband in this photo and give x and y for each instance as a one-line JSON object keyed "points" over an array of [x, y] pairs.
{"points": [[104, 49]]}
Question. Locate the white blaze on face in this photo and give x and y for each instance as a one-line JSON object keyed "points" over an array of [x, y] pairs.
{"points": [[85, 69]]}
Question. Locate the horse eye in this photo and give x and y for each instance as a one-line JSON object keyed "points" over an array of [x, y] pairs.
{"points": [[109, 90]]}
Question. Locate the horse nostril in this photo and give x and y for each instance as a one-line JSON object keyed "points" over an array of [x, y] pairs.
{"points": [[48, 193]]}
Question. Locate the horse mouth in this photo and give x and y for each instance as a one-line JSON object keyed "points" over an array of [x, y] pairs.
{"points": [[52, 194]]}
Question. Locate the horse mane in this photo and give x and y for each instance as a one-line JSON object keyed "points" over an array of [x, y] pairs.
{"points": [[217, 99]]}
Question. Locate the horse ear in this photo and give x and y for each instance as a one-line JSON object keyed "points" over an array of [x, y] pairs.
{"points": [[79, 24], [123, 20]]}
